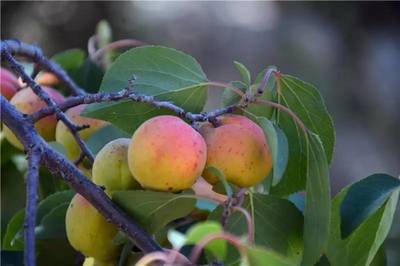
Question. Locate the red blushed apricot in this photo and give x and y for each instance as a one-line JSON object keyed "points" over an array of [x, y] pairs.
{"points": [[8, 83], [28, 102], [239, 148], [166, 154]]}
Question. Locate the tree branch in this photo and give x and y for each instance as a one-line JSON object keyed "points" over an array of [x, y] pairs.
{"points": [[35, 54], [23, 128], [127, 94], [32, 180]]}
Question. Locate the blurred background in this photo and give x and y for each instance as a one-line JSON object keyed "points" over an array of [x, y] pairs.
{"points": [[350, 51]]}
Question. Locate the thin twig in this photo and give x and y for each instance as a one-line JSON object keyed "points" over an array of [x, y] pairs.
{"points": [[225, 85], [263, 84], [92, 47], [124, 43], [35, 54], [32, 180], [42, 94], [127, 94], [250, 222]]}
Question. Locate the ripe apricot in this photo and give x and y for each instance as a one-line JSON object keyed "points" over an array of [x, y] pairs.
{"points": [[65, 137], [110, 167], [166, 154], [28, 102], [239, 148], [89, 232]]}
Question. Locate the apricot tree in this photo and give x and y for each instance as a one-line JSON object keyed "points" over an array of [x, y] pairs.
{"points": [[129, 143]]}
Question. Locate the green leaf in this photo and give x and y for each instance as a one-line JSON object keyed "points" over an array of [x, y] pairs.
{"points": [[259, 256], [82, 70], [101, 137], [50, 183], [52, 225], [10, 241], [89, 76], [269, 94], [52, 202], [244, 72], [230, 97], [14, 235], [318, 204], [221, 177], [361, 246], [364, 198], [278, 144], [306, 102], [278, 224], [154, 210], [164, 73], [70, 60], [199, 231]]}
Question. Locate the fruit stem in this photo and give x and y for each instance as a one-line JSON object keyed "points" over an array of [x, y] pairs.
{"points": [[250, 223], [234, 240], [124, 43]]}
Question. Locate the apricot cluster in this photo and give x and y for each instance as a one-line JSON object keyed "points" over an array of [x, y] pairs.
{"points": [[167, 154], [164, 154]]}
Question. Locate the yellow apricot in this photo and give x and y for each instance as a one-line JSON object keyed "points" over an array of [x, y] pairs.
{"points": [[166, 154], [110, 167], [93, 262], [89, 232], [28, 102], [239, 148], [64, 136]]}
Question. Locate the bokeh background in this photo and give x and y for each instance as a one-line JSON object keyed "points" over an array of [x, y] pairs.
{"points": [[350, 51]]}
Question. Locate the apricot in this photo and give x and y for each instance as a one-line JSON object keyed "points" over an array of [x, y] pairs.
{"points": [[47, 79], [239, 148], [65, 137], [166, 154], [8, 83], [110, 167], [28, 102], [89, 232]]}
